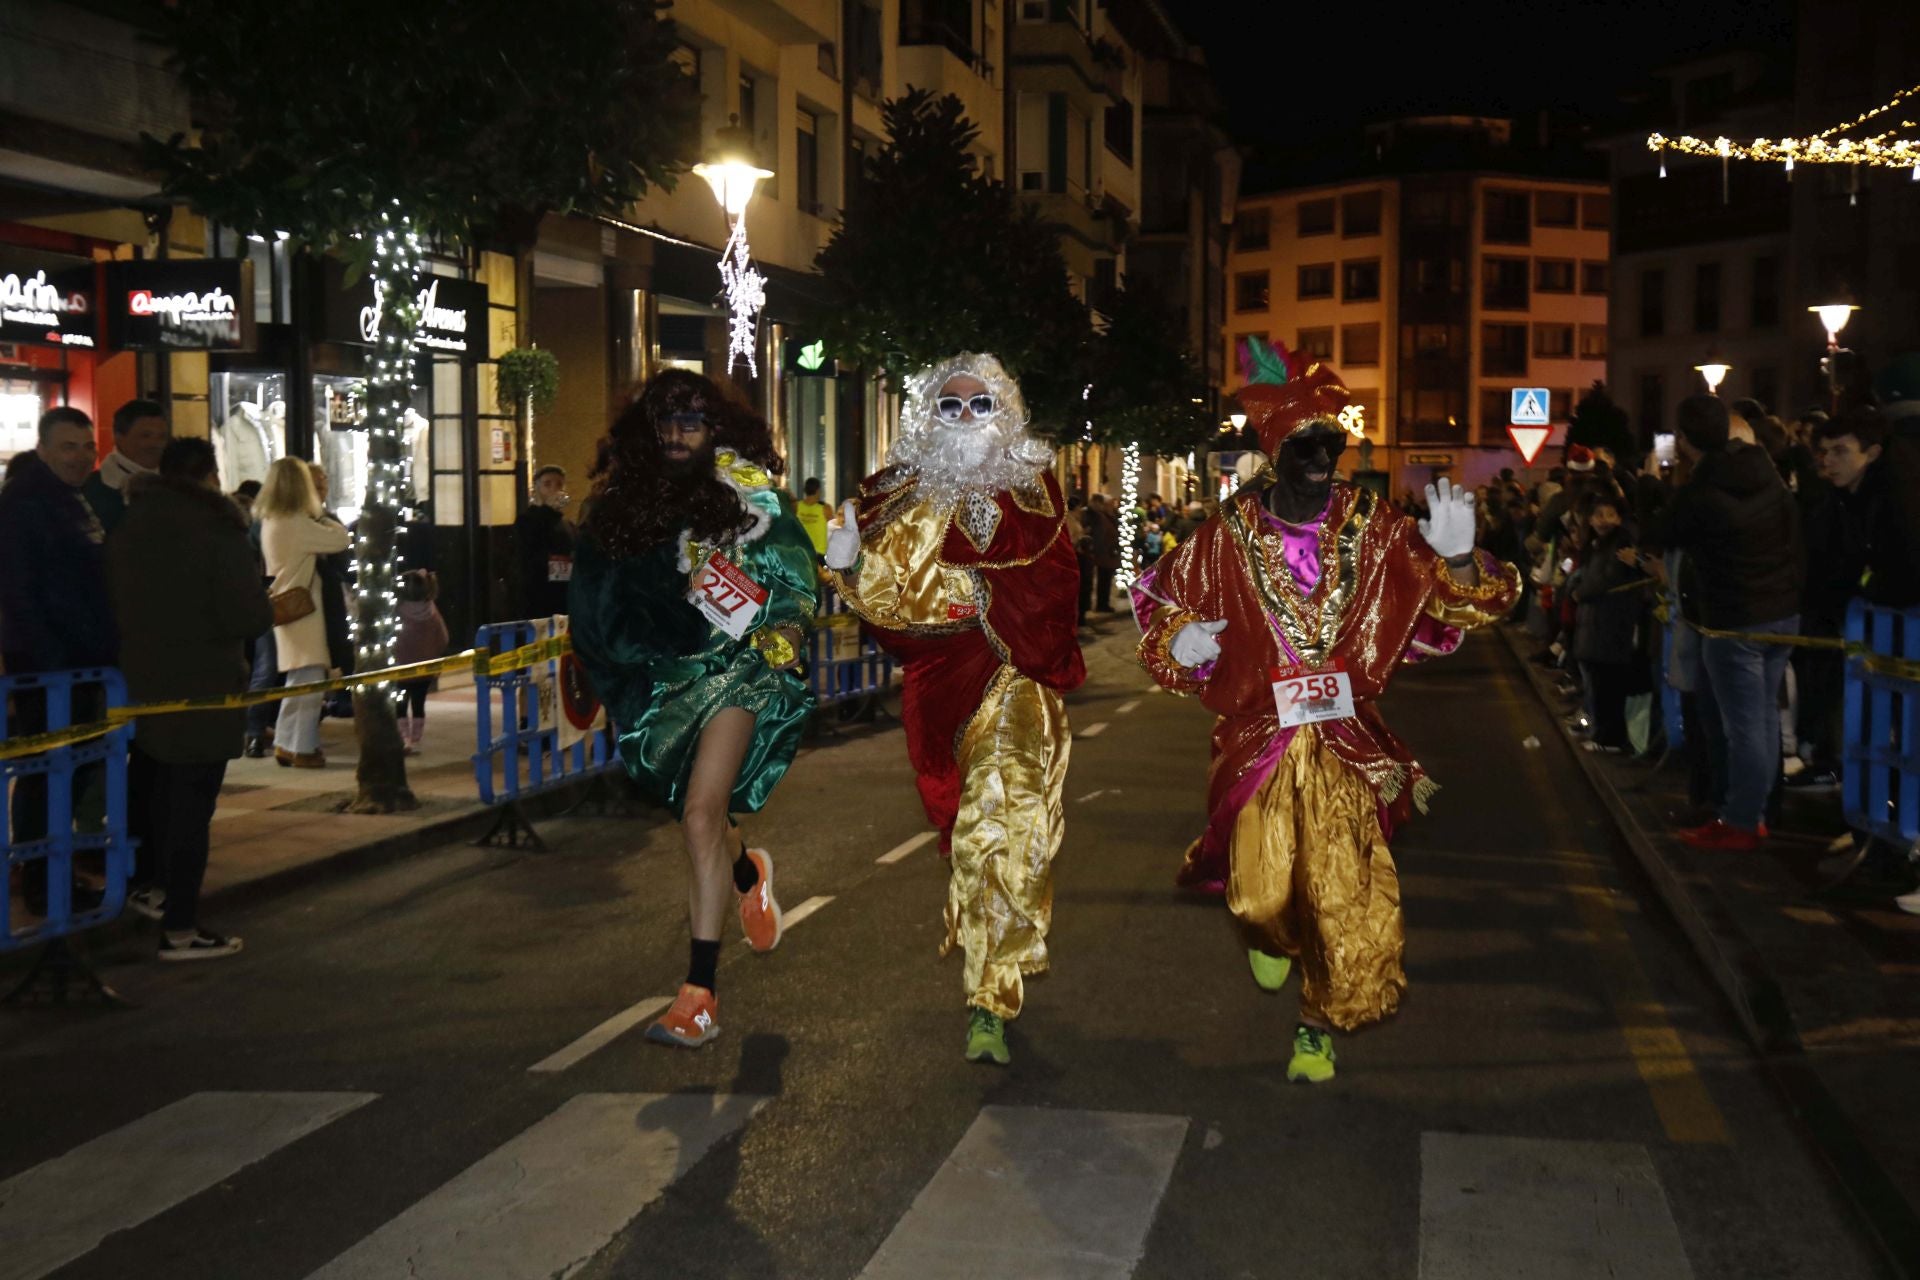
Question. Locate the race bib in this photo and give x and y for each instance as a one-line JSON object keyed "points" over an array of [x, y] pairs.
{"points": [[559, 568], [1308, 695], [729, 598]]}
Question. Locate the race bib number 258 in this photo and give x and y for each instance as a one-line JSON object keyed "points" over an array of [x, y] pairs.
{"points": [[1308, 695], [729, 598]]}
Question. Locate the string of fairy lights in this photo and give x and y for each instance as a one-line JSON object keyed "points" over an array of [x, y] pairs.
{"points": [[1888, 148]]}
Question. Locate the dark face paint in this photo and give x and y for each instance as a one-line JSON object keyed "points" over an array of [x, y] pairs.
{"points": [[1306, 470]]}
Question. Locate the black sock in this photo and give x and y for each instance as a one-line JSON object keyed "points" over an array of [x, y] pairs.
{"points": [[745, 873], [704, 960]]}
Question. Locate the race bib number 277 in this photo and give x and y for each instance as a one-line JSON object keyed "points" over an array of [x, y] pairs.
{"points": [[729, 598], [1308, 695]]}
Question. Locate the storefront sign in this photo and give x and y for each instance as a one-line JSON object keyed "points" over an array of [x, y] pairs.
{"points": [[809, 359], [56, 309], [1429, 459], [453, 315], [189, 304]]}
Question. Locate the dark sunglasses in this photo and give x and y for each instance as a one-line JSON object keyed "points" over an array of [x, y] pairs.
{"points": [[950, 407], [683, 423]]}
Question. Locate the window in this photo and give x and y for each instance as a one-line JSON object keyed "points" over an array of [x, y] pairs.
{"points": [[1436, 207], [1250, 291], [806, 160], [1553, 275], [1316, 281], [1119, 131], [1360, 214], [1764, 383], [1593, 277], [1251, 228], [1317, 343], [1368, 402], [1316, 217], [948, 23], [1359, 345], [1653, 399], [1503, 284], [1593, 342], [1706, 297], [1653, 302], [1553, 341], [1494, 407], [1505, 218], [1360, 281], [1596, 212], [1503, 350], [1433, 417], [1448, 340], [1559, 406], [1438, 277], [1555, 208], [1766, 296], [747, 95]]}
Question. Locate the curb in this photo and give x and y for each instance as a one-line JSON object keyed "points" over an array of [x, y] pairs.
{"points": [[1740, 970]]}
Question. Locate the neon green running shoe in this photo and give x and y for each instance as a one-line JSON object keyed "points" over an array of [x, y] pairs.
{"points": [[1312, 1060], [987, 1037], [1270, 972]]}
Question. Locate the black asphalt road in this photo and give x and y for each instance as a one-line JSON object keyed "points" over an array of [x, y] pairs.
{"points": [[1550, 999]]}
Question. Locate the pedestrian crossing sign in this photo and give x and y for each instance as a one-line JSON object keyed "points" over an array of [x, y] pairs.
{"points": [[1529, 407]]}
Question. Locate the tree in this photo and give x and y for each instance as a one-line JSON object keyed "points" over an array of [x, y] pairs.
{"points": [[1145, 384], [932, 258], [1599, 423], [375, 129]]}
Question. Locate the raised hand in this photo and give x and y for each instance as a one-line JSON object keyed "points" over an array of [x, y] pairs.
{"points": [[1448, 528], [843, 538]]}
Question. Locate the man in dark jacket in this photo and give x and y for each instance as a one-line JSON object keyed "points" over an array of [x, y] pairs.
{"points": [[1744, 567], [185, 583], [54, 614], [1103, 527], [543, 540], [140, 432]]}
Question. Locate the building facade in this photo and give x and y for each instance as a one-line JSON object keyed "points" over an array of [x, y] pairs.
{"points": [[1435, 288]]}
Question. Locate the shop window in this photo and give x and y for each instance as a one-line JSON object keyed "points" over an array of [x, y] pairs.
{"points": [[1706, 297], [1555, 208], [1593, 342], [1552, 341], [1315, 281], [1653, 302], [1360, 281], [1359, 345], [1251, 228], [1250, 291], [1360, 214], [1503, 284], [1593, 278], [1505, 219], [1503, 350], [1316, 342], [1553, 275], [1316, 217]]}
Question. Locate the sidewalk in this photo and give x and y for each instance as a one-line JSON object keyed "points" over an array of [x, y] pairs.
{"points": [[1827, 984]]}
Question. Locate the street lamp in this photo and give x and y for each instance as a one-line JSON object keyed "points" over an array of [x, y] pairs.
{"points": [[1238, 420], [1714, 373], [1833, 318], [733, 176]]}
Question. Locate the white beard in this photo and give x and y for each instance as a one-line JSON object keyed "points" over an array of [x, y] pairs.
{"points": [[955, 459]]}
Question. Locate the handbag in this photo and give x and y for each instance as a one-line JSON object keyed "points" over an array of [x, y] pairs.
{"points": [[291, 604]]}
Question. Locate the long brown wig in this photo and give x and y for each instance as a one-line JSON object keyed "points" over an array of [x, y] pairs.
{"points": [[638, 503]]}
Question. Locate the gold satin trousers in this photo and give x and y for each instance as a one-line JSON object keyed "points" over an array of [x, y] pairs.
{"points": [[1013, 765], [1311, 878]]}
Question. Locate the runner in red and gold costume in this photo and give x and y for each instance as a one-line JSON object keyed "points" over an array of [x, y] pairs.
{"points": [[1305, 577], [956, 559]]}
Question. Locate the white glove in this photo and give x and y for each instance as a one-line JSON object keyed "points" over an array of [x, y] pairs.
{"points": [[1194, 644], [1448, 528], [843, 538]]}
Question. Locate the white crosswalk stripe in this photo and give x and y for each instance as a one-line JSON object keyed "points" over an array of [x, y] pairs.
{"points": [[1543, 1207], [1094, 730], [552, 1197], [62, 1209], [1034, 1191], [906, 847], [603, 1035]]}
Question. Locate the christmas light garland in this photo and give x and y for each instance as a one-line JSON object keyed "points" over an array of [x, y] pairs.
{"points": [[1884, 149], [746, 294], [1129, 513]]}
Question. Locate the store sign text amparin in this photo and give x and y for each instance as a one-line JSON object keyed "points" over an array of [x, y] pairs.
{"points": [[180, 304], [33, 309], [181, 308]]}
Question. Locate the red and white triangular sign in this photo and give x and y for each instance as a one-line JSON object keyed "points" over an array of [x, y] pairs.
{"points": [[1529, 441]]}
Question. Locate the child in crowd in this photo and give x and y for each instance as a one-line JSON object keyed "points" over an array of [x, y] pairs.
{"points": [[423, 637]]}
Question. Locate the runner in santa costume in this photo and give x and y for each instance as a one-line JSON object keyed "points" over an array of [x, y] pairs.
{"points": [[956, 558], [1287, 614], [693, 590]]}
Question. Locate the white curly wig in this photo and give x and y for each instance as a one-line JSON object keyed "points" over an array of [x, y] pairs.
{"points": [[954, 458]]}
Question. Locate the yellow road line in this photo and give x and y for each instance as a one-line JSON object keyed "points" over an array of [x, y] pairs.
{"points": [[1686, 1110]]}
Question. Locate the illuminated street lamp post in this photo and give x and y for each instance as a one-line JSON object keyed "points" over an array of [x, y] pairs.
{"points": [[1833, 318], [733, 176], [1713, 373]]}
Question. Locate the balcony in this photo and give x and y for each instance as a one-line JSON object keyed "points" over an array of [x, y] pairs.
{"points": [[1058, 57], [787, 21]]}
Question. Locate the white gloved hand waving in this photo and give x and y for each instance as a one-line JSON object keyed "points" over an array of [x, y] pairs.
{"points": [[843, 538], [1448, 527], [1194, 644]]}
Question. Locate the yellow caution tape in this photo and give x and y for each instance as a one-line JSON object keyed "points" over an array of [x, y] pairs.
{"points": [[1878, 663]]}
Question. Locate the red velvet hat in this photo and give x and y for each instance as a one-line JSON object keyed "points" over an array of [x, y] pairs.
{"points": [[1286, 392]]}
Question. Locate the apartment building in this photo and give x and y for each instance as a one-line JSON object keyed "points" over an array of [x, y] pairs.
{"points": [[1450, 268]]}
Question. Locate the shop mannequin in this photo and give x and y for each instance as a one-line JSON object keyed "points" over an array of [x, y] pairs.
{"points": [[419, 458], [276, 426], [245, 444]]}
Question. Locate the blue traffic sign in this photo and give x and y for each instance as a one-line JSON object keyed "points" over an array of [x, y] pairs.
{"points": [[1529, 407]]}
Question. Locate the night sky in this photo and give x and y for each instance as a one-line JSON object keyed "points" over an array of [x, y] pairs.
{"points": [[1294, 71]]}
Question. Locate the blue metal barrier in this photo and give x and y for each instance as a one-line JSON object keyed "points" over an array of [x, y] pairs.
{"points": [[529, 757], [1880, 782], [50, 799], [842, 664]]}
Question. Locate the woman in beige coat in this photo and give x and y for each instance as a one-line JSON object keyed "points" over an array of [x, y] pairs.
{"points": [[293, 534]]}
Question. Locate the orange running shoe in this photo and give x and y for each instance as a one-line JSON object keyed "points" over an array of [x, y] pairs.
{"points": [[759, 911], [690, 1023]]}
